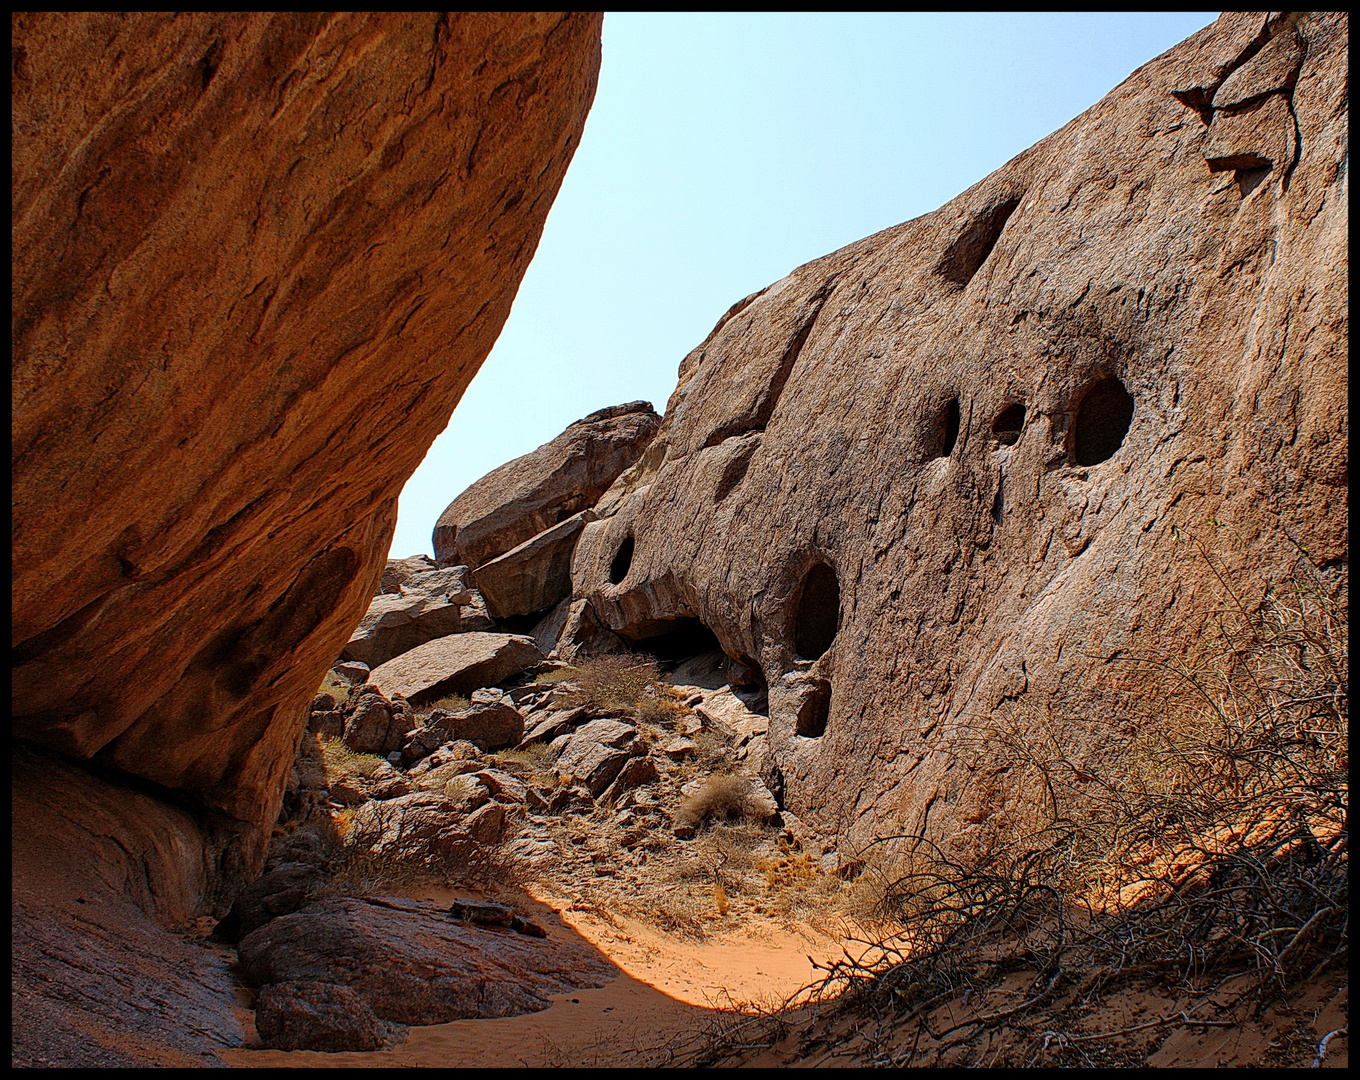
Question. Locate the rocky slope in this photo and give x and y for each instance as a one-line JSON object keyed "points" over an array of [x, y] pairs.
{"points": [[257, 260]]}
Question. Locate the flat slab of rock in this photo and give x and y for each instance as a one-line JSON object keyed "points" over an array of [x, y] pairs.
{"points": [[425, 606], [414, 964], [534, 576], [457, 664]]}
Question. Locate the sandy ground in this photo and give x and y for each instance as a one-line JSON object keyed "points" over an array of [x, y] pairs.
{"points": [[666, 986]]}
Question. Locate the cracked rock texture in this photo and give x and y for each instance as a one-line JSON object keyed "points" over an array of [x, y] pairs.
{"points": [[931, 481], [257, 260]]}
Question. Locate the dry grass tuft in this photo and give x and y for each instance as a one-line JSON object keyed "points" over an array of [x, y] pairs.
{"points": [[339, 760], [449, 703], [628, 686], [722, 797]]}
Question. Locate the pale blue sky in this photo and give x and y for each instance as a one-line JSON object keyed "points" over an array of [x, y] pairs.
{"points": [[723, 150]]}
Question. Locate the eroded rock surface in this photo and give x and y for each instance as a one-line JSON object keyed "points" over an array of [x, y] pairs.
{"points": [[938, 479], [413, 963], [257, 259], [524, 497], [457, 664], [425, 606]]}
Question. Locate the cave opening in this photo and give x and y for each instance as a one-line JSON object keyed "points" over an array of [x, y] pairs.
{"points": [[675, 640], [1007, 426], [1103, 419], [819, 613], [623, 561]]}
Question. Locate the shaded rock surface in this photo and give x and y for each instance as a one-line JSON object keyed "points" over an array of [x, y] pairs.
{"points": [[524, 497], [413, 963], [257, 259], [937, 478], [458, 664], [104, 880], [320, 1016], [534, 576]]}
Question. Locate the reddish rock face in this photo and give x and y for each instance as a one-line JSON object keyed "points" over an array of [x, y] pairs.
{"points": [[932, 480], [257, 259]]}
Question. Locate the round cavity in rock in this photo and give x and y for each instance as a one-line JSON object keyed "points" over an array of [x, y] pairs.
{"points": [[623, 561], [819, 613], [810, 721], [949, 423], [1006, 428], [1103, 419]]}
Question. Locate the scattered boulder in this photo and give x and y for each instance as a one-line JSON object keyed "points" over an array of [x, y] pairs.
{"points": [[679, 749], [549, 725], [372, 723], [311, 1015], [635, 772], [491, 722], [534, 576], [282, 890], [486, 825], [414, 964], [384, 782], [398, 571], [423, 827], [458, 664], [533, 493], [351, 672], [485, 913], [427, 606], [595, 754]]}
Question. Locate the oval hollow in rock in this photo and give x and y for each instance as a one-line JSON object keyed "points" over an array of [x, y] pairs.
{"points": [[819, 613], [949, 424], [1103, 419], [1006, 428], [623, 561]]}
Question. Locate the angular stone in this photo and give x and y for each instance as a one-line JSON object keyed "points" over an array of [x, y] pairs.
{"points": [[524, 497], [398, 571], [489, 726], [486, 824], [608, 732], [426, 607], [458, 664], [591, 764], [635, 772], [353, 672], [534, 576], [310, 1015], [503, 786], [419, 827], [413, 964]]}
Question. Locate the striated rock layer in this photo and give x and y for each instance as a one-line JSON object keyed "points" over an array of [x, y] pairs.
{"points": [[932, 480], [257, 260]]}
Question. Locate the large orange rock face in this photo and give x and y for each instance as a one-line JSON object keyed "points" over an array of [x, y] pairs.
{"points": [[257, 259], [932, 481]]}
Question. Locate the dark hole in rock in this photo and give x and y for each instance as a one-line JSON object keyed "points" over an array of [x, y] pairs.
{"points": [[819, 613], [1006, 428], [1248, 180], [679, 639], [623, 560], [965, 256], [1103, 420], [813, 711], [999, 503], [951, 428]]}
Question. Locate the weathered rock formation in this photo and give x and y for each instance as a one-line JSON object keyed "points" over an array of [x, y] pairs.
{"points": [[933, 480], [424, 607], [457, 664], [524, 497], [257, 260]]}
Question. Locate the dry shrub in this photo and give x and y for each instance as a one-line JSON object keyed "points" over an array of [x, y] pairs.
{"points": [[625, 686], [722, 797], [333, 686], [557, 675]]}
